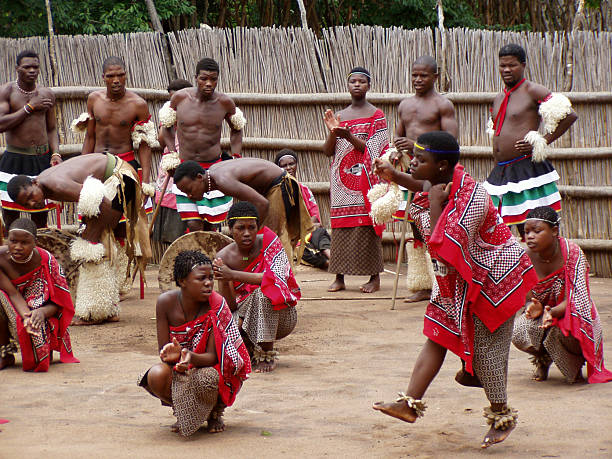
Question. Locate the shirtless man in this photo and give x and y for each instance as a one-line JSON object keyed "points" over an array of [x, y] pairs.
{"points": [[520, 151], [119, 121], [27, 115], [275, 193], [199, 113], [427, 111]]}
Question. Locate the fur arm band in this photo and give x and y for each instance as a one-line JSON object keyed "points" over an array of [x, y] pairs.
{"points": [[553, 109], [91, 197], [539, 146], [82, 250], [148, 189], [79, 124], [167, 115], [170, 162], [145, 131], [237, 120]]}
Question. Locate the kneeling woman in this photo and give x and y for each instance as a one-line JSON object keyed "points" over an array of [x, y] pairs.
{"points": [[561, 323], [256, 279], [35, 303], [204, 360]]}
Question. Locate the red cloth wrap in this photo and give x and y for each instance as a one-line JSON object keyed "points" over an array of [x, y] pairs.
{"points": [[278, 283], [484, 271], [234, 364], [35, 353]]}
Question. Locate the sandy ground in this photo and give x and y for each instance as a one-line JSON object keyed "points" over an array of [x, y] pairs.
{"points": [[347, 351]]}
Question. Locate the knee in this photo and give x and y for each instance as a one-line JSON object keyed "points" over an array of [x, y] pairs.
{"points": [[159, 379]]}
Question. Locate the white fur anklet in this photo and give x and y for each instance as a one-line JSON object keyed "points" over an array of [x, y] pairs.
{"points": [[418, 406], [420, 273], [502, 420]]}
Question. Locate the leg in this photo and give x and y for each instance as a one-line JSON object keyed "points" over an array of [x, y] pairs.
{"points": [[40, 219], [373, 285], [425, 369], [7, 358], [528, 337], [215, 420], [195, 225], [9, 217], [159, 381], [420, 295], [338, 284], [566, 353]]}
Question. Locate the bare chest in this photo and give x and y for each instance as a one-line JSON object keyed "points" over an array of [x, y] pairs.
{"points": [[416, 116], [192, 112], [115, 115]]}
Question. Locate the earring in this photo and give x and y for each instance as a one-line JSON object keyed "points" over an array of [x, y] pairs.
{"points": [[440, 169]]}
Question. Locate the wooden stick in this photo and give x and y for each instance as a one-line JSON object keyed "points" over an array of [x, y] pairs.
{"points": [[163, 193], [400, 253]]}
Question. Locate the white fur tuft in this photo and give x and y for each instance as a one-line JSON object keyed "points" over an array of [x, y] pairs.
{"points": [[148, 189], [490, 128], [167, 115], [170, 161], [539, 146], [145, 132], [384, 207], [238, 120], [91, 197], [82, 250], [97, 295], [420, 273], [556, 108], [79, 125]]}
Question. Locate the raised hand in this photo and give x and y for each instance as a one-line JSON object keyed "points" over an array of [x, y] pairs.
{"points": [[403, 144], [331, 121], [534, 309], [439, 193], [383, 169], [171, 352]]}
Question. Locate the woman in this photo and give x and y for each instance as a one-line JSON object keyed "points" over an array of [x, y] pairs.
{"points": [[36, 304], [560, 323], [357, 135], [203, 358]]}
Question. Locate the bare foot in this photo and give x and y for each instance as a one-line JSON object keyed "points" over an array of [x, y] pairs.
{"points": [[7, 361], [264, 367], [397, 410], [113, 319], [336, 286], [466, 379], [495, 436], [174, 427], [421, 295], [373, 285], [77, 321], [216, 425], [540, 373]]}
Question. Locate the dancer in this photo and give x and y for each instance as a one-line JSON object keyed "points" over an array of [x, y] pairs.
{"points": [[482, 278]]}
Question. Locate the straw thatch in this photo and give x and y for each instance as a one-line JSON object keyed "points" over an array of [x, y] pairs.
{"points": [[284, 79]]}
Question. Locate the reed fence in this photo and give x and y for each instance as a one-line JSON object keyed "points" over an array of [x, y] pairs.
{"points": [[285, 78]]}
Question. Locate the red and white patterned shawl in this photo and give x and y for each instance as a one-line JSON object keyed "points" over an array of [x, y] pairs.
{"points": [[480, 267], [581, 319], [234, 364], [352, 175], [278, 283], [38, 287]]}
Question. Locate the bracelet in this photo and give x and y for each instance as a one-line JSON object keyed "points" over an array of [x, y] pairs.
{"points": [[56, 154], [25, 109]]}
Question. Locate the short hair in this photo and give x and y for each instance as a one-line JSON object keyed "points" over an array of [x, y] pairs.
{"points": [[285, 152], [546, 214], [207, 64], [242, 209], [16, 184], [441, 141], [24, 224], [428, 62], [26, 53], [189, 169], [112, 60], [178, 84], [360, 70], [185, 261], [512, 49]]}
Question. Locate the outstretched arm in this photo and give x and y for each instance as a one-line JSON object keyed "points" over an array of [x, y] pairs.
{"points": [[387, 172]]}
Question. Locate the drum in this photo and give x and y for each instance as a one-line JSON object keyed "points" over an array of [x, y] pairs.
{"points": [[208, 242], [57, 242]]}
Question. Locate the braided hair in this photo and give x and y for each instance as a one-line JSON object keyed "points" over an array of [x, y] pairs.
{"points": [[185, 261]]}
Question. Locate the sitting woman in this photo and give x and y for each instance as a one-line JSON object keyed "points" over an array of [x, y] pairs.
{"points": [[255, 277], [36, 307], [203, 358], [318, 243], [561, 323]]}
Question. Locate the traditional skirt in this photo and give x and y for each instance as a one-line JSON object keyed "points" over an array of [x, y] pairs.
{"points": [[22, 161], [168, 226], [519, 185], [356, 251], [261, 322]]}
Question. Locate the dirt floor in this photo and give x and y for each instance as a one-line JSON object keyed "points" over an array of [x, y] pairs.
{"points": [[348, 350]]}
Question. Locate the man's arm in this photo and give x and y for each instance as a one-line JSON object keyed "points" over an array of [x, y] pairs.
{"points": [[90, 134], [448, 120], [235, 135], [144, 149], [539, 93], [236, 189], [52, 136], [401, 142], [9, 120], [167, 135]]}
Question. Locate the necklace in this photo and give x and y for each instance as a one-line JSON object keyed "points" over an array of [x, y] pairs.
{"points": [[23, 91], [185, 314], [552, 257], [24, 261], [208, 180]]}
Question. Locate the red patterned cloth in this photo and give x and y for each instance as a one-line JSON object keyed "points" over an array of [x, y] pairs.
{"points": [[278, 283], [43, 285], [234, 363], [352, 175], [480, 267], [310, 201], [581, 319]]}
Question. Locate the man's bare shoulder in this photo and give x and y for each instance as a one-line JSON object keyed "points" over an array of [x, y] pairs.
{"points": [[226, 101], [5, 90], [536, 91], [407, 103], [443, 102], [182, 94], [134, 98], [46, 92]]}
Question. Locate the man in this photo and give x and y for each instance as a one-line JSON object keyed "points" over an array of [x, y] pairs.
{"points": [[426, 111], [523, 179], [105, 188], [118, 121], [275, 194], [27, 116], [199, 113]]}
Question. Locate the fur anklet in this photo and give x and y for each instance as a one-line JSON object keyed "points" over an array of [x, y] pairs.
{"points": [[7, 349], [261, 356], [502, 420], [418, 406], [541, 361]]}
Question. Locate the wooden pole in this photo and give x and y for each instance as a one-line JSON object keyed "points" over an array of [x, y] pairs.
{"points": [[54, 68], [163, 193], [400, 254], [157, 26], [302, 14]]}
